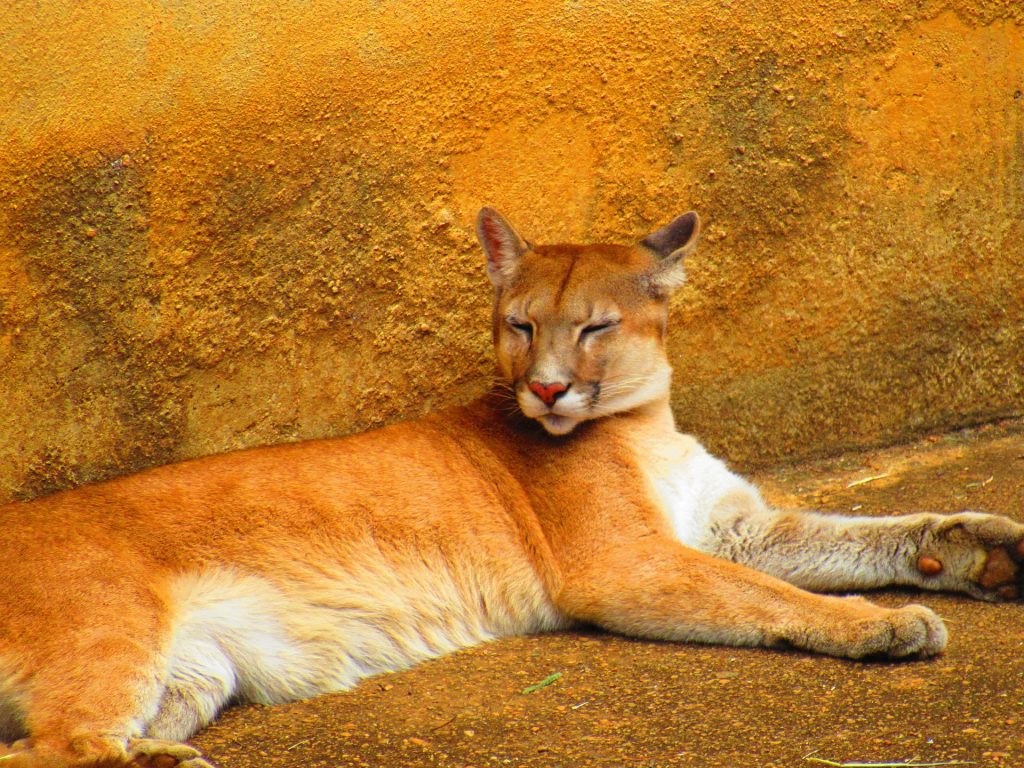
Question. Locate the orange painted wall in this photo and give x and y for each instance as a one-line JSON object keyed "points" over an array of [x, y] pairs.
{"points": [[229, 223]]}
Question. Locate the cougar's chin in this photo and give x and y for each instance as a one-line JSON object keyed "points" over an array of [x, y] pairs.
{"points": [[554, 423], [558, 425]]}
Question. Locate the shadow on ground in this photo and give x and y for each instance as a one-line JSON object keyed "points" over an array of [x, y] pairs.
{"points": [[621, 702]]}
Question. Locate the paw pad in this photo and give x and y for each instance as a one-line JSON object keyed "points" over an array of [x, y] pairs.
{"points": [[999, 570]]}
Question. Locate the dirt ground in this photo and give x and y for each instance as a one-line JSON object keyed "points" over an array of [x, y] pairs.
{"points": [[621, 702]]}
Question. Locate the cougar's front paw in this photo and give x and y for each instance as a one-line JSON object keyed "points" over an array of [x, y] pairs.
{"points": [[897, 633], [854, 628], [975, 553], [913, 630]]}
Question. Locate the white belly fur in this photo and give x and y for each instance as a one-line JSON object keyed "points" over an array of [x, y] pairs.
{"points": [[268, 643]]}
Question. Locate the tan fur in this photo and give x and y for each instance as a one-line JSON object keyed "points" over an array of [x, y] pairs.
{"points": [[136, 609]]}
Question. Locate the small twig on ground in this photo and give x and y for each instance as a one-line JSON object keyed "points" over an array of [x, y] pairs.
{"points": [[865, 480], [911, 764], [981, 484], [449, 721]]}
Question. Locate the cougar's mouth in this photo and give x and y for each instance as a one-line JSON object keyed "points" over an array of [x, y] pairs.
{"points": [[562, 416]]}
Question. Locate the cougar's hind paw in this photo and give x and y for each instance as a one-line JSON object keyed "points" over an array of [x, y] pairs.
{"points": [[156, 753]]}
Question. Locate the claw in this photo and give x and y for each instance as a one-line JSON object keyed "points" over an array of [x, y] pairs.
{"points": [[1009, 592], [157, 761]]}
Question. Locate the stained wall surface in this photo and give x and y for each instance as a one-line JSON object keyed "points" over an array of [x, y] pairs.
{"points": [[233, 222]]}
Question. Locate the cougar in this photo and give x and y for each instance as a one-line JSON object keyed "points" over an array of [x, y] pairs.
{"points": [[134, 610]]}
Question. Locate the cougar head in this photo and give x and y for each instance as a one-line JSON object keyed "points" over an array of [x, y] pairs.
{"points": [[579, 330]]}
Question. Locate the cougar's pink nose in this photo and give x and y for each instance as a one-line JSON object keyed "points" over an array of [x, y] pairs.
{"points": [[548, 393]]}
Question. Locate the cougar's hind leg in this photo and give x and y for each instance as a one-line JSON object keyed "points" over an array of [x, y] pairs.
{"points": [[87, 701], [93, 674], [114, 705]]}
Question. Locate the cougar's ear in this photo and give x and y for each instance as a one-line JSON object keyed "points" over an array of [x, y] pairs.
{"points": [[671, 245], [502, 245]]}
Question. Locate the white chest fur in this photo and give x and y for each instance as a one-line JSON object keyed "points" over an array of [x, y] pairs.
{"points": [[690, 485]]}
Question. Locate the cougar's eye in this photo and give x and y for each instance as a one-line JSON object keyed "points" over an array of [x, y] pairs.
{"points": [[595, 328], [526, 329]]}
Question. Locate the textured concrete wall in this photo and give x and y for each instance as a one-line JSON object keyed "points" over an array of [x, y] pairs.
{"points": [[233, 222]]}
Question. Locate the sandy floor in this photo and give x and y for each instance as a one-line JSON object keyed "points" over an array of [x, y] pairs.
{"points": [[621, 702]]}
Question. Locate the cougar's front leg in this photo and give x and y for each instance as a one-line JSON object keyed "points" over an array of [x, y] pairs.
{"points": [[658, 588], [973, 553]]}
